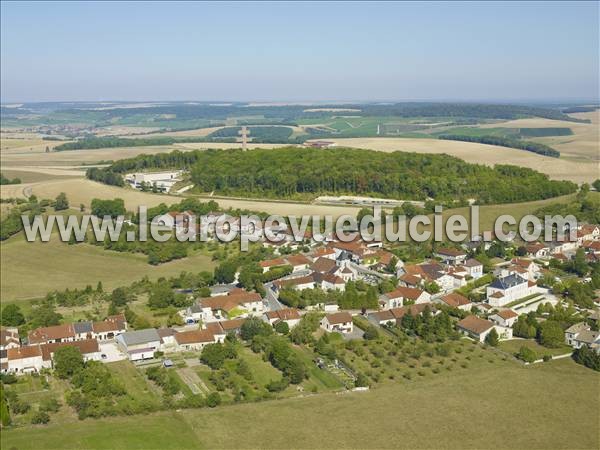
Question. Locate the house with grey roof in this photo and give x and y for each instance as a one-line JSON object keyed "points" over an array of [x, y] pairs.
{"points": [[505, 290], [83, 330], [139, 344], [581, 334]]}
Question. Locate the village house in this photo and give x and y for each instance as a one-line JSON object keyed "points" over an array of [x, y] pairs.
{"points": [[237, 302], [483, 308], [537, 250], [527, 269], [48, 335], [139, 344], [451, 256], [296, 262], [9, 338], [474, 268], [409, 280], [167, 339], [89, 349], [26, 359], [299, 283], [291, 316], [587, 232], [343, 269], [591, 247], [103, 330], [385, 259], [325, 281], [33, 358], [581, 334], [323, 252], [446, 279], [400, 295], [194, 339], [478, 328], [393, 316], [507, 289], [356, 251], [337, 322], [109, 328], [233, 326], [504, 318], [454, 300]]}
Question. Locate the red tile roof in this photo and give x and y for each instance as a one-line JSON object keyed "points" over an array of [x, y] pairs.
{"points": [[194, 337], [44, 334], [405, 292], [475, 324], [340, 317], [455, 300]]}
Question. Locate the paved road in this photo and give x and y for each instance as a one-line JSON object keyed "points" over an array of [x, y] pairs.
{"points": [[271, 299]]}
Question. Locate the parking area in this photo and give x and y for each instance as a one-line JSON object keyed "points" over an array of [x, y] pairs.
{"points": [[357, 333], [111, 351]]}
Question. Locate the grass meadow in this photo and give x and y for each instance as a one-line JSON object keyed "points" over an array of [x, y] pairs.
{"points": [[31, 269], [504, 405]]}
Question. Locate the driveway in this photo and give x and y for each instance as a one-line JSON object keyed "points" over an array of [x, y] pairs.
{"points": [[111, 351], [357, 333]]}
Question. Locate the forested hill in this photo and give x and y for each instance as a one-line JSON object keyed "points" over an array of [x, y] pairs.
{"points": [[294, 172]]}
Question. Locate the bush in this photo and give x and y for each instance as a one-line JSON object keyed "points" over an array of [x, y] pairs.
{"points": [[40, 417], [361, 381], [213, 399], [278, 385], [8, 378], [526, 354], [589, 358], [50, 405], [371, 333], [282, 327], [18, 406]]}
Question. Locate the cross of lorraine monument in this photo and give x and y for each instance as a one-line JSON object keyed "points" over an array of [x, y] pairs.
{"points": [[244, 139]]}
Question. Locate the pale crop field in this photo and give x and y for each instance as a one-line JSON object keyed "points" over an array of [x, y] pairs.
{"points": [[472, 152], [81, 190], [26, 157], [583, 145], [28, 144], [76, 157]]}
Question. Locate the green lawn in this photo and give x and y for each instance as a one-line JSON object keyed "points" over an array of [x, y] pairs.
{"points": [[514, 345], [157, 431], [450, 411], [32, 269], [318, 378], [262, 371], [134, 381]]}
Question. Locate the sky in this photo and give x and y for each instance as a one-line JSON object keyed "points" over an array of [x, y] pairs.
{"points": [[304, 51]]}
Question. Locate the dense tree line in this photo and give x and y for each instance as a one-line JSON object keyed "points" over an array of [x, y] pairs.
{"points": [[579, 109], [585, 207], [295, 172], [184, 111], [534, 147], [543, 132], [105, 176]]}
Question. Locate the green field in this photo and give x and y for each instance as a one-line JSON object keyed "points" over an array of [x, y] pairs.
{"points": [[514, 345], [506, 405], [30, 270]]}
